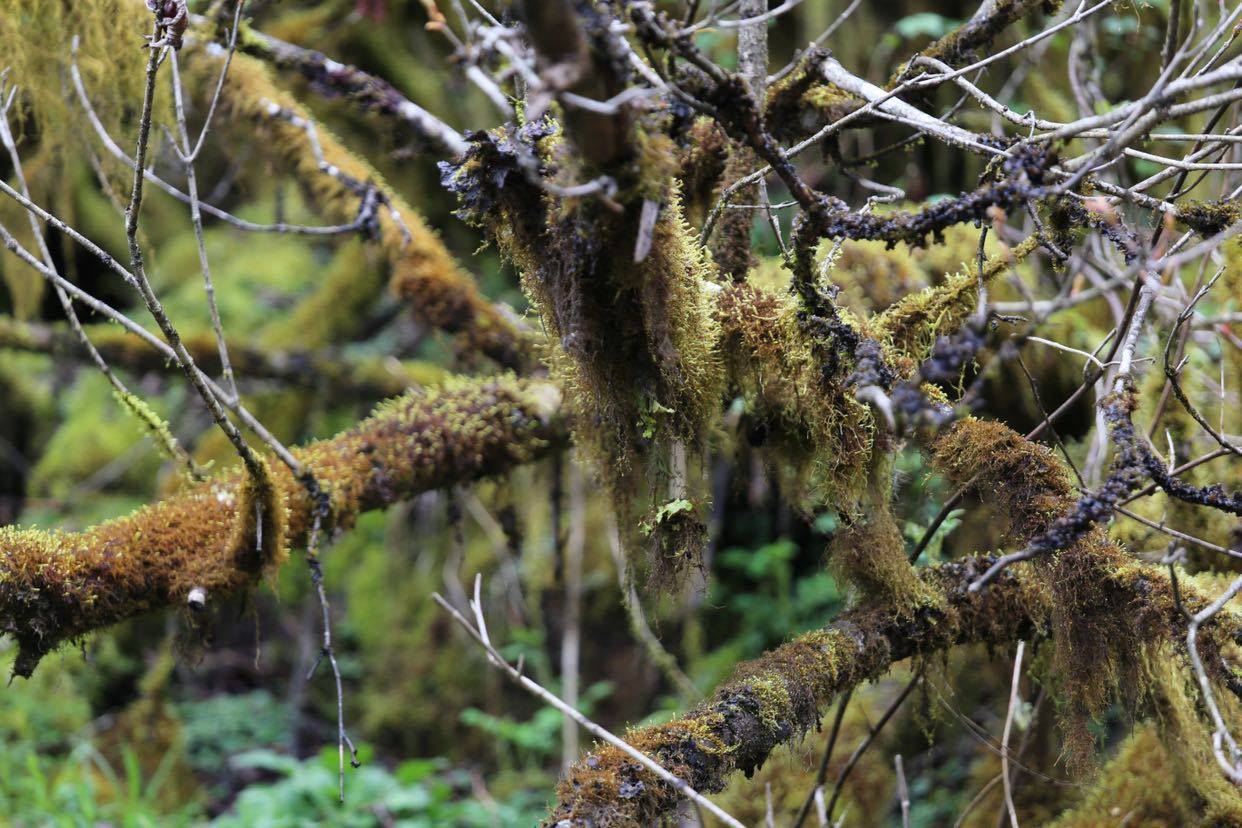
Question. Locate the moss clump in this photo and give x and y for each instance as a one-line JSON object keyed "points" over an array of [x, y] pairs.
{"points": [[1207, 218], [911, 326], [703, 154], [871, 554], [731, 243], [801, 102], [1126, 789], [816, 430], [1107, 609], [874, 277], [676, 537], [639, 388]]}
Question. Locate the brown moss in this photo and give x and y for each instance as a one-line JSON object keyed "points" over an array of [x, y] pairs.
{"points": [[1207, 218], [223, 534], [801, 102], [730, 243], [874, 277]]}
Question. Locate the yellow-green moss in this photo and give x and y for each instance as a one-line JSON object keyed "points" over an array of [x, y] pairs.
{"points": [[911, 326], [821, 436], [422, 271]]}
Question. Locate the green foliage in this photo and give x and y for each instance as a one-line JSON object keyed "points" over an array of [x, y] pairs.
{"points": [[52, 773], [764, 601], [219, 727], [537, 739], [418, 793]]}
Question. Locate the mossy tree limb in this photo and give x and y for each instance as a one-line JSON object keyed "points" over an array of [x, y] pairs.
{"points": [[777, 697], [422, 271], [57, 586]]}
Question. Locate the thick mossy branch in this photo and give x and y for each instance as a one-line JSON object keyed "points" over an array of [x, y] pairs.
{"points": [[1106, 612], [1107, 609], [777, 697], [422, 271], [56, 586]]}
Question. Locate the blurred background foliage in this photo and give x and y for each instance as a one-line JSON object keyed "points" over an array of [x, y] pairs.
{"points": [[147, 726]]}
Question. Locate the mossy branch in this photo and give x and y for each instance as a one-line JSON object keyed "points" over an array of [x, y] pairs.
{"points": [[220, 536], [1127, 607], [422, 271], [777, 697]]}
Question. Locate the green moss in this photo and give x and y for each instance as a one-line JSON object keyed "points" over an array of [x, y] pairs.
{"points": [[1207, 218], [94, 433], [911, 326], [1126, 789], [421, 270], [818, 434]]}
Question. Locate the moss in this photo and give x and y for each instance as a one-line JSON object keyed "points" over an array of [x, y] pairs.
{"points": [[1108, 610], [960, 46], [676, 537], [801, 102], [871, 554], [777, 697], [702, 161], [874, 277], [223, 534], [37, 39], [911, 326], [422, 271], [731, 241], [818, 432], [790, 772], [1127, 789], [1207, 218], [157, 429]]}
